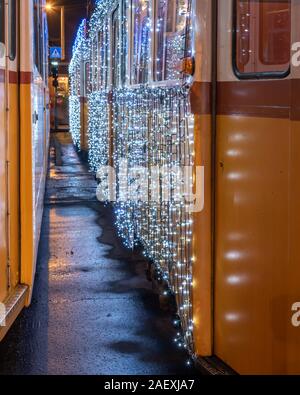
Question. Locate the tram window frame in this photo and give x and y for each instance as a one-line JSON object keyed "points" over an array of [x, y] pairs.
{"points": [[164, 73], [12, 26], [36, 33], [39, 39], [252, 75], [2, 22], [46, 49]]}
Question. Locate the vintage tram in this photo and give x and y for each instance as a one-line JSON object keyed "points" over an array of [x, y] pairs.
{"points": [[24, 128], [209, 84]]}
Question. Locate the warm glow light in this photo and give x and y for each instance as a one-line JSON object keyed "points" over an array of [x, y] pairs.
{"points": [[49, 7]]}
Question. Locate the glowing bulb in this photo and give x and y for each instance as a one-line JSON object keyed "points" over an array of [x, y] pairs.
{"points": [[49, 7]]}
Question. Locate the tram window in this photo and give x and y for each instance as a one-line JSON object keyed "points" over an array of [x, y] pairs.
{"points": [[12, 18], [275, 30], [46, 50], [103, 50], [141, 41], [36, 34], [2, 30], [263, 37], [41, 41], [170, 38]]}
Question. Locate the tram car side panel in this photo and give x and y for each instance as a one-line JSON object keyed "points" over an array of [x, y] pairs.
{"points": [[40, 123], [34, 132], [13, 143], [20, 209], [256, 189], [12, 293], [3, 192], [293, 271], [200, 98]]}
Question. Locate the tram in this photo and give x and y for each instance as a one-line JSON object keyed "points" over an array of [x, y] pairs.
{"points": [[209, 84], [24, 134]]}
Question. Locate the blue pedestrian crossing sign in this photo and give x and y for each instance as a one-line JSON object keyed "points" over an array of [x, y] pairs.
{"points": [[55, 53]]}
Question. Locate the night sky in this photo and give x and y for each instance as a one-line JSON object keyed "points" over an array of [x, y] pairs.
{"points": [[75, 11]]}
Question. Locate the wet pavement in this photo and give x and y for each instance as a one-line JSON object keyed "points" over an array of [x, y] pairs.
{"points": [[93, 309]]}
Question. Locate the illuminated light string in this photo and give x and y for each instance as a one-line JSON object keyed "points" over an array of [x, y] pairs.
{"points": [[76, 88], [75, 122], [153, 128]]}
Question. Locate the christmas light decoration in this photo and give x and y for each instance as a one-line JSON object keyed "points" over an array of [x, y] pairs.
{"points": [[146, 124], [76, 83]]}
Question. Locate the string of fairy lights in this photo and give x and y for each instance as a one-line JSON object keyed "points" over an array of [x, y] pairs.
{"points": [[152, 129], [76, 83]]}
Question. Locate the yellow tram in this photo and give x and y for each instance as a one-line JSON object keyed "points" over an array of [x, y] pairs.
{"points": [[211, 84], [24, 128]]}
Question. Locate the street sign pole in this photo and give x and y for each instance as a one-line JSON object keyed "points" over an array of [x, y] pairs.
{"points": [[55, 111], [63, 35], [56, 55]]}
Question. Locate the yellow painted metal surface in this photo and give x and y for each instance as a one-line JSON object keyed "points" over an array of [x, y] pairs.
{"points": [[3, 192], [27, 198], [202, 244], [33, 150], [9, 196], [13, 306], [34, 117], [23, 164], [257, 251], [9, 177], [84, 126], [34, 145], [14, 185]]}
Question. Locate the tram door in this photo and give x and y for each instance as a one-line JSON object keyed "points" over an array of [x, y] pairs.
{"points": [[3, 181], [13, 144], [256, 264], [9, 150]]}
